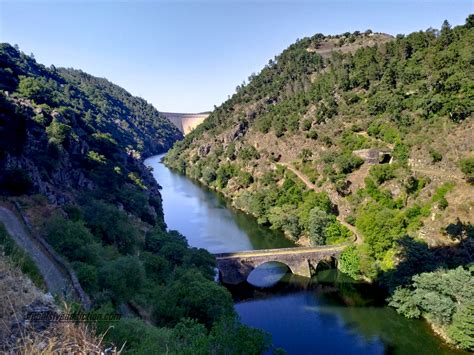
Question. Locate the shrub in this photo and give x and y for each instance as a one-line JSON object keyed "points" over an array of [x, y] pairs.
{"points": [[111, 225], [443, 203], [318, 221], [192, 296], [435, 156], [382, 173], [467, 167], [380, 226], [312, 135], [245, 179], [123, 276], [136, 180], [58, 132], [336, 233], [36, 89], [348, 163], [445, 298], [96, 157], [285, 218], [71, 238], [305, 154], [461, 330], [249, 153], [349, 262], [306, 124], [19, 258], [401, 152]]}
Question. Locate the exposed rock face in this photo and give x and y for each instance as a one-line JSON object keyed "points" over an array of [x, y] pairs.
{"points": [[58, 173], [236, 132], [204, 150]]}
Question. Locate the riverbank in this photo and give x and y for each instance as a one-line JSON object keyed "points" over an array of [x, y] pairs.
{"points": [[297, 312], [303, 240]]}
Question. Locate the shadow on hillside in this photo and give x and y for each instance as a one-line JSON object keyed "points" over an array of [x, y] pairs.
{"points": [[417, 257]]}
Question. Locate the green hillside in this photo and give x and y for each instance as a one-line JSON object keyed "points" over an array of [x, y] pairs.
{"points": [[71, 149], [360, 134]]}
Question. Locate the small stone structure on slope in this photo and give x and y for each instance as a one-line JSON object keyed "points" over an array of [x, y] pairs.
{"points": [[375, 156]]}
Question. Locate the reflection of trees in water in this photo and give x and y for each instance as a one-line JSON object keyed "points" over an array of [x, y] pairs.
{"points": [[289, 283], [260, 236], [327, 282], [400, 335], [362, 309], [359, 306]]}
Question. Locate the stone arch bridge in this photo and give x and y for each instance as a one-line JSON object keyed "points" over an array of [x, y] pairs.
{"points": [[234, 268]]}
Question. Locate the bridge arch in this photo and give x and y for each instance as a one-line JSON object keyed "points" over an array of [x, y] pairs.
{"points": [[266, 262], [268, 273], [328, 262]]}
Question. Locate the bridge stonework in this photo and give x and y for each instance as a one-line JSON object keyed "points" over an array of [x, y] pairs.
{"points": [[234, 268]]}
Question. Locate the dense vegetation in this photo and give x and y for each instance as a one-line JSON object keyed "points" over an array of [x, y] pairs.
{"points": [[70, 147], [421, 76], [445, 297], [311, 111], [99, 105]]}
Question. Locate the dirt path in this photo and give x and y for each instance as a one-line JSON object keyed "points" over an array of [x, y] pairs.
{"points": [[302, 177], [437, 172], [55, 279], [311, 186]]}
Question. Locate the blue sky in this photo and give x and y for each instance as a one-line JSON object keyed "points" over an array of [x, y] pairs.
{"points": [[187, 56]]}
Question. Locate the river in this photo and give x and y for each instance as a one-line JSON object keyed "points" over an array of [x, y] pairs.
{"points": [[328, 314]]}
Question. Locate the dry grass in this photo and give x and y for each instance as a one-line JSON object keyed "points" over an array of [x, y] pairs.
{"points": [[16, 292], [64, 338], [19, 336]]}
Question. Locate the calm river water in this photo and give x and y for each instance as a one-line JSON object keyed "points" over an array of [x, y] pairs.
{"points": [[329, 314]]}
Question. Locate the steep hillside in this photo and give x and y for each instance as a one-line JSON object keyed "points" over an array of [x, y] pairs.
{"points": [[367, 135], [71, 148], [288, 147], [60, 128]]}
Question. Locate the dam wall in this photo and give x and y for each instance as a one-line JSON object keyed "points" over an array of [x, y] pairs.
{"points": [[186, 122]]}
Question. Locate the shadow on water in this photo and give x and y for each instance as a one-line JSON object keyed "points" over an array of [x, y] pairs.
{"points": [[273, 279], [340, 315]]}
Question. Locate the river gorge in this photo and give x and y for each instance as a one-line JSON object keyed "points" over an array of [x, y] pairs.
{"points": [[328, 314]]}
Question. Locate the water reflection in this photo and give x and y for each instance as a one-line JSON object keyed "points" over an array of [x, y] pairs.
{"points": [[268, 274], [333, 314], [206, 219]]}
